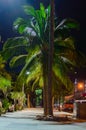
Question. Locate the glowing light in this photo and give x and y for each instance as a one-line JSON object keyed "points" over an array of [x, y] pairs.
{"points": [[27, 72], [80, 86]]}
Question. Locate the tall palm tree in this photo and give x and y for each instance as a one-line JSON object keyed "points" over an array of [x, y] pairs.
{"points": [[35, 43], [5, 78], [50, 60]]}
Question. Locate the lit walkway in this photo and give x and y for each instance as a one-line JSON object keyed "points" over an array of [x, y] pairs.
{"points": [[33, 112], [25, 120]]}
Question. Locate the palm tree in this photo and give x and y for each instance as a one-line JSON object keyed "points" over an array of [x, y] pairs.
{"points": [[35, 45], [50, 60], [5, 78]]}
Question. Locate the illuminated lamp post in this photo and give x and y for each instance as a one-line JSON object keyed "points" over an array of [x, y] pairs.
{"points": [[81, 104], [79, 89], [75, 85], [75, 88], [80, 86], [23, 88]]}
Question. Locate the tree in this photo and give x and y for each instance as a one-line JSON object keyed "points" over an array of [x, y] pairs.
{"points": [[5, 78], [35, 42], [50, 60]]}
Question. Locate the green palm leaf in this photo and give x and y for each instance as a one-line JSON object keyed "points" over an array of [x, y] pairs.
{"points": [[61, 74], [65, 54], [14, 46], [29, 10], [29, 60], [17, 60], [67, 24]]}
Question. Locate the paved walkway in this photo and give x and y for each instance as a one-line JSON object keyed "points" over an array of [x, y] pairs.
{"points": [[33, 112], [25, 120]]}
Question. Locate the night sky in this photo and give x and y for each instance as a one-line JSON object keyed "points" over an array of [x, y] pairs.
{"points": [[12, 9]]}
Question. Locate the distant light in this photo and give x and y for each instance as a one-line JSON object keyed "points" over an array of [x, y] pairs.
{"points": [[81, 86], [75, 72], [27, 72]]}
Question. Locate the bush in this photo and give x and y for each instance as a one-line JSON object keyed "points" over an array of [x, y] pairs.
{"points": [[5, 104], [2, 111]]}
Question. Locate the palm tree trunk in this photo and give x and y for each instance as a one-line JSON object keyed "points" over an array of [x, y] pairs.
{"points": [[50, 60], [45, 78], [28, 101], [47, 68]]}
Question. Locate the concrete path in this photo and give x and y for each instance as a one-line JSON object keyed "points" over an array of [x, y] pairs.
{"points": [[25, 120], [33, 112]]}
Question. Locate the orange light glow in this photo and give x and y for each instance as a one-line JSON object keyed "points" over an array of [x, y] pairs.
{"points": [[80, 86]]}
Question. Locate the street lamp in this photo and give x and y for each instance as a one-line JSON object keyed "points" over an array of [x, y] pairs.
{"points": [[27, 73], [80, 86]]}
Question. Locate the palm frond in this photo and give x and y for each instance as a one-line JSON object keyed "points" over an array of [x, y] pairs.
{"points": [[67, 42], [67, 24], [14, 47], [17, 60], [31, 58], [62, 76], [33, 74], [29, 10]]}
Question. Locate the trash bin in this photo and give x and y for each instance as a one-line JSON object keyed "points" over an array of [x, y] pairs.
{"points": [[80, 109]]}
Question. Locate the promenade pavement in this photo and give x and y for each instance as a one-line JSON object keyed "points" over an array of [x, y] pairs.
{"points": [[33, 112], [26, 120]]}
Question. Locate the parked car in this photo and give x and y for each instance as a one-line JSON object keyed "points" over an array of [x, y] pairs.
{"points": [[68, 106]]}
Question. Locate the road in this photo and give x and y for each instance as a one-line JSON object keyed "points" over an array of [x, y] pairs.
{"points": [[25, 120]]}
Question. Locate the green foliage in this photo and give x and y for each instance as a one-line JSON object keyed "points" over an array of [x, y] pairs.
{"points": [[5, 84], [20, 98], [2, 110], [20, 59], [31, 59], [14, 47], [5, 78], [2, 61], [29, 10], [17, 95], [37, 23], [68, 24], [3, 72], [37, 46], [5, 104]]}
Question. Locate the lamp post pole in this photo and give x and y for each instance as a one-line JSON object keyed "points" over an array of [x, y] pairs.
{"points": [[75, 91]]}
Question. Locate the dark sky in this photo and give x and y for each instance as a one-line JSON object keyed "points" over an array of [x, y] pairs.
{"points": [[11, 9]]}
